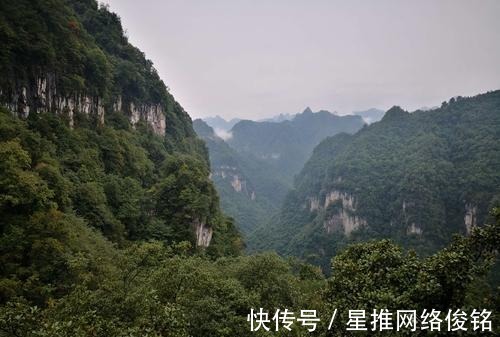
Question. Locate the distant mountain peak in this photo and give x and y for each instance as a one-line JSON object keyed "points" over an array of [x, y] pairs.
{"points": [[219, 122], [395, 112], [371, 115], [279, 118], [328, 112], [307, 111]]}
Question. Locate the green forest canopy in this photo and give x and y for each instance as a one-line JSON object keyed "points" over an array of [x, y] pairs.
{"points": [[95, 221]]}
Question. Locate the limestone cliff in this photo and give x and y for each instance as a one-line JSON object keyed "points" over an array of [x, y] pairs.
{"points": [[203, 234], [412, 228], [342, 218], [470, 217], [235, 178], [43, 95]]}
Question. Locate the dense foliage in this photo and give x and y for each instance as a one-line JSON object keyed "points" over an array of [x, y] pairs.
{"points": [[264, 156], [379, 274], [148, 289], [84, 48], [413, 177], [288, 144], [61, 186], [97, 222], [263, 186]]}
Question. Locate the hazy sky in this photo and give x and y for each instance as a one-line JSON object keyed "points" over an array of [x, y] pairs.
{"points": [[255, 58]]}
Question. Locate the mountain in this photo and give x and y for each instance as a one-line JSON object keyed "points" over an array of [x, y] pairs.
{"points": [[253, 168], [371, 115], [250, 189], [90, 134], [110, 225], [417, 178], [279, 118], [426, 108], [220, 123], [287, 145]]}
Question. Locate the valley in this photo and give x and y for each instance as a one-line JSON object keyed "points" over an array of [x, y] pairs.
{"points": [[123, 216], [409, 177], [253, 170]]}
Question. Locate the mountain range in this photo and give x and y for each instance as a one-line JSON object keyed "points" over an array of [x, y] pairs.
{"points": [[110, 198], [220, 123], [417, 178], [250, 189], [288, 144], [254, 168]]}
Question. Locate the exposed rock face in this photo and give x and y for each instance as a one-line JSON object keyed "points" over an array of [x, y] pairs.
{"points": [[470, 218], [223, 172], [313, 204], [346, 199], [152, 114], [343, 219], [42, 95], [414, 229], [238, 183], [203, 234]]}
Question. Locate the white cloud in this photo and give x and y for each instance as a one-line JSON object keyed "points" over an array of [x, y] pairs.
{"points": [[225, 135]]}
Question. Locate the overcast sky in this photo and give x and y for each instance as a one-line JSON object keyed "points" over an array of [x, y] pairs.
{"points": [[254, 59]]}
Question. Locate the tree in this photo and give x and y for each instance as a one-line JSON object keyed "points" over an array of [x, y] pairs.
{"points": [[380, 275]]}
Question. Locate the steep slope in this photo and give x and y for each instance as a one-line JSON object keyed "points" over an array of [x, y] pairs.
{"points": [[415, 177], [288, 144], [72, 58], [98, 128], [96, 208], [250, 190]]}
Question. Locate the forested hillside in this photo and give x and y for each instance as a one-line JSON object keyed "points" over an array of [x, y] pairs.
{"points": [[417, 178], [250, 189], [111, 227], [119, 138], [253, 168], [93, 150], [288, 144]]}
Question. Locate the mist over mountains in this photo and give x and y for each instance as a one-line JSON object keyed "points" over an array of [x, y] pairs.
{"points": [[253, 169], [287, 145], [279, 118], [120, 216], [369, 116], [283, 148], [250, 188], [417, 178], [218, 122], [379, 180]]}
